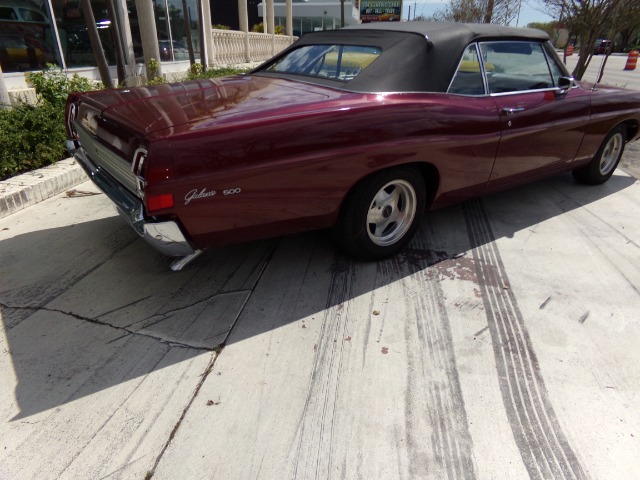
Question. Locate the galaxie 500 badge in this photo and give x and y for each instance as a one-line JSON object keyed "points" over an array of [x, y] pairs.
{"points": [[204, 193]]}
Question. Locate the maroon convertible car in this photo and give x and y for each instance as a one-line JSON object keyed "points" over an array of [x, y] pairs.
{"points": [[360, 129]]}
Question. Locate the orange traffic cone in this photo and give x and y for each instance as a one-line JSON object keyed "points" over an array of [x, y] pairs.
{"points": [[632, 59]]}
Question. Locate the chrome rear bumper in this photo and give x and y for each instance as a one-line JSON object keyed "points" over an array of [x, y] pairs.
{"points": [[167, 237]]}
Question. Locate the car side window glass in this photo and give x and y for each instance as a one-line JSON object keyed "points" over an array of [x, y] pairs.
{"points": [[468, 77], [516, 66], [556, 70]]}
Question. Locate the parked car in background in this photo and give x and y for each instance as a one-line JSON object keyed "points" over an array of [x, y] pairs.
{"points": [[359, 129], [172, 51], [24, 34], [602, 47]]}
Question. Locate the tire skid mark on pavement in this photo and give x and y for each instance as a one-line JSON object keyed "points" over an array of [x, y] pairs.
{"points": [[435, 372], [543, 446], [322, 394], [433, 399]]}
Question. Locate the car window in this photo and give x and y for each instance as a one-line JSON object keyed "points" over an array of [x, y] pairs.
{"points": [[516, 66], [468, 78], [338, 62], [554, 64], [7, 13], [29, 15]]}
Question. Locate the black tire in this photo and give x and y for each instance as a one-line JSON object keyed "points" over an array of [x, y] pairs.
{"points": [[382, 213], [605, 161]]}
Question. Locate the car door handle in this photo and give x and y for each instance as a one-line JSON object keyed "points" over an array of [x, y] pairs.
{"points": [[512, 110]]}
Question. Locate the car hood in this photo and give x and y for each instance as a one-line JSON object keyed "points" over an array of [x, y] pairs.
{"points": [[204, 103]]}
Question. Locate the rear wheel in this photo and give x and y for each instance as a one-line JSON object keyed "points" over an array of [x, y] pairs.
{"points": [[382, 213], [605, 160]]}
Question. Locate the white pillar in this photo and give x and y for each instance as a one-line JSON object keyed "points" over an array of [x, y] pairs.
{"points": [[127, 39], [265, 16], [4, 94], [289, 6], [208, 37], [148, 32], [270, 14], [243, 16]]}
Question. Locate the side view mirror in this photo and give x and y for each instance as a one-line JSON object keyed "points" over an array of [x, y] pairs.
{"points": [[564, 84]]}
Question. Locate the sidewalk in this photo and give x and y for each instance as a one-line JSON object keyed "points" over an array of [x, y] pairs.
{"points": [[22, 191]]}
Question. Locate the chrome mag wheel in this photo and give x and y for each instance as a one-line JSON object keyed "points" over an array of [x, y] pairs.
{"points": [[391, 212]]}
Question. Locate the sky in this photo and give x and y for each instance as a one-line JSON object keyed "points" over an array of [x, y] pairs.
{"points": [[531, 11]]}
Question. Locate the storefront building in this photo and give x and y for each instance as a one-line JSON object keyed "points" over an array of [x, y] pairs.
{"points": [[34, 33]]}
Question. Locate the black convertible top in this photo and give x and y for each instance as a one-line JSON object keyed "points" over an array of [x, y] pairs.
{"points": [[416, 57]]}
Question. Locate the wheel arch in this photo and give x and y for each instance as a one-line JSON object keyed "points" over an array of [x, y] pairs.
{"points": [[632, 128]]}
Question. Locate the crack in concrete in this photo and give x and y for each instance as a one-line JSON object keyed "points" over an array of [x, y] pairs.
{"points": [[218, 351], [95, 321], [159, 317]]}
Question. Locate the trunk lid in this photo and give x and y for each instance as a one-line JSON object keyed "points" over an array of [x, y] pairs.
{"points": [[222, 100]]}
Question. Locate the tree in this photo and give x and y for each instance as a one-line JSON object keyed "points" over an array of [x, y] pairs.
{"points": [[627, 24], [588, 20], [549, 27], [499, 12], [96, 44], [464, 11]]}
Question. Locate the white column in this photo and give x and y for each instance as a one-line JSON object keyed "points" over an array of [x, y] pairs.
{"points": [[208, 37], [148, 32], [243, 16], [4, 94], [265, 16], [270, 14], [127, 39], [289, 6]]}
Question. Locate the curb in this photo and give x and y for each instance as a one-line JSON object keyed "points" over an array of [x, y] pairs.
{"points": [[22, 191]]}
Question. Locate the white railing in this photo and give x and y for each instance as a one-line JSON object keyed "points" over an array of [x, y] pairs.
{"points": [[231, 47]]}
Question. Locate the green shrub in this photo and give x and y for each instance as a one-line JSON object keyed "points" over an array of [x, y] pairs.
{"points": [[197, 73], [53, 86], [32, 136], [259, 28], [153, 71]]}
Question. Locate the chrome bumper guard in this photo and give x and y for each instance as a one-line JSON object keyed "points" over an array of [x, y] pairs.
{"points": [[163, 236]]}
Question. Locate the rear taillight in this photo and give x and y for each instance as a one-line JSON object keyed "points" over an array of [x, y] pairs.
{"points": [[151, 174], [159, 202]]}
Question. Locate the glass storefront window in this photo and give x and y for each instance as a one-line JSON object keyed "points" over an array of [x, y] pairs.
{"points": [[27, 39], [171, 27], [74, 37]]}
